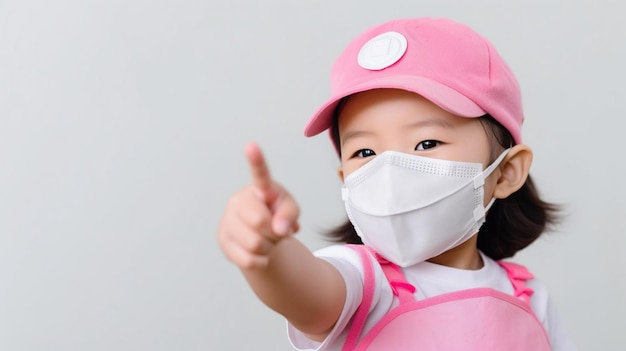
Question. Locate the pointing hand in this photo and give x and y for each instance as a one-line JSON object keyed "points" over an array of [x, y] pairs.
{"points": [[257, 217]]}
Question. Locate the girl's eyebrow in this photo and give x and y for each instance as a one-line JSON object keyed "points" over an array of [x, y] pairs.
{"points": [[414, 125], [354, 134], [430, 122]]}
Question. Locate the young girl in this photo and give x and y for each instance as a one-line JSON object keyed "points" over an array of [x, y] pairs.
{"points": [[426, 119]]}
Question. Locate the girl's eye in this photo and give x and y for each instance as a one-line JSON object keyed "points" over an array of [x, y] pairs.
{"points": [[427, 144], [364, 153]]}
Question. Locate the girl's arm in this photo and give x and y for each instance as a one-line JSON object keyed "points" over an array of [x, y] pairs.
{"points": [[307, 290], [256, 233]]}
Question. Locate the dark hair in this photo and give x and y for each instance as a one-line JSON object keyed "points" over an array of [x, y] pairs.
{"points": [[512, 223]]}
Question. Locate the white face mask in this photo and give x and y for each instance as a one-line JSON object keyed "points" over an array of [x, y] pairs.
{"points": [[411, 208]]}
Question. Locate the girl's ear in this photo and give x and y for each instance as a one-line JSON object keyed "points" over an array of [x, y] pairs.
{"points": [[513, 171]]}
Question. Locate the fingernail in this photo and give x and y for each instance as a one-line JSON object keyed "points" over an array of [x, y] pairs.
{"points": [[281, 227]]}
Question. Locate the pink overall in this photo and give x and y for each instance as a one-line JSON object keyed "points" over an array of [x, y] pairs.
{"points": [[474, 319]]}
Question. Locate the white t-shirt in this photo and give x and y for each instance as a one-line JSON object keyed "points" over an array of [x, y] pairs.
{"points": [[430, 280]]}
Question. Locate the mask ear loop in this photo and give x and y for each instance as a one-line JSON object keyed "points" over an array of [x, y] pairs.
{"points": [[479, 180]]}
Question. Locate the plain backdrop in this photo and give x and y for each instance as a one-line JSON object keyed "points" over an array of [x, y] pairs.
{"points": [[122, 127]]}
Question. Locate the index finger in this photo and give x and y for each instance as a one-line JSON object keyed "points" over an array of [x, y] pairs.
{"points": [[258, 168]]}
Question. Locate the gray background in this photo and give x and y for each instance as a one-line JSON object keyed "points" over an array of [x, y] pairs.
{"points": [[122, 126]]}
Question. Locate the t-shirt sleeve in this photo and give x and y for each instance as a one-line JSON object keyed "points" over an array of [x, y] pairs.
{"points": [[348, 263], [546, 312]]}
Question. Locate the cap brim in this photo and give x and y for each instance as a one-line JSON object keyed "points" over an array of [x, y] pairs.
{"points": [[441, 95]]}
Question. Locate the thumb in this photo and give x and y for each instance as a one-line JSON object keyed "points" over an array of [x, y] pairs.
{"points": [[285, 216]]}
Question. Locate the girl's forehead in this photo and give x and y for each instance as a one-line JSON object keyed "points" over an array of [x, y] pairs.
{"points": [[392, 107]]}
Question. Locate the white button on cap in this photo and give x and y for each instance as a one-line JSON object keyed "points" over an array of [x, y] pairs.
{"points": [[382, 51]]}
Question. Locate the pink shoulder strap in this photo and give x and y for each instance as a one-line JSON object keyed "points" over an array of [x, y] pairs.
{"points": [[360, 316], [398, 283], [518, 275]]}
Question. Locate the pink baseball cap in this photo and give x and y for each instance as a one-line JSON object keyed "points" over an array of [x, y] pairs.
{"points": [[444, 61]]}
